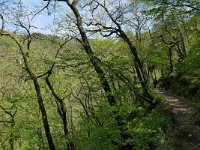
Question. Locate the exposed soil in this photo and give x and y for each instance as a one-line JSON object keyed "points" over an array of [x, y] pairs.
{"points": [[185, 133]]}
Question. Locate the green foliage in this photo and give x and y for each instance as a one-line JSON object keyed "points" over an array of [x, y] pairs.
{"points": [[92, 123], [196, 106], [142, 131], [73, 74], [186, 78]]}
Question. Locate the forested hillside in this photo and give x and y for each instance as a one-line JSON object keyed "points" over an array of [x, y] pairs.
{"points": [[90, 83]]}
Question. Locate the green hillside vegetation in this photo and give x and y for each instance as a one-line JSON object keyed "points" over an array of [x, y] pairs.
{"points": [[75, 81], [80, 92], [183, 80]]}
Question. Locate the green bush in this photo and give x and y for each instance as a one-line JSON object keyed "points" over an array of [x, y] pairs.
{"points": [[138, 130], [166, 81], [196, 107], [181, 85], [193, 89]]}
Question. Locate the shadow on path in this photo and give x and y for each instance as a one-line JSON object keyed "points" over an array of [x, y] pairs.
{"points": [[185, 132]]}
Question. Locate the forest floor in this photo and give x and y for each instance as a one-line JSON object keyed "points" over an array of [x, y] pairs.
{"points": [[184, 133]]}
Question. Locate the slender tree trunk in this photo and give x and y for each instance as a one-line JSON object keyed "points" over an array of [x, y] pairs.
{"points": [[44, 115], [142, 75], [37, 88], [62, 112], [184, 52], [61, 107], [170, 61], [93, 59]]}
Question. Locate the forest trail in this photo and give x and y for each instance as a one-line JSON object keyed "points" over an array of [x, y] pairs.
{"points": [[185, 133]]}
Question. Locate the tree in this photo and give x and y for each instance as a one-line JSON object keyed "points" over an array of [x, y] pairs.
{"points": [[118, 19], [28, 69]]}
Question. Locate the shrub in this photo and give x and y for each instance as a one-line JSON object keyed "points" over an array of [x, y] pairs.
{"points": [[139, 130], [196, 107]]}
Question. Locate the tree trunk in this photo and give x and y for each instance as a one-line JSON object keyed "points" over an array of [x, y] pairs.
{"points": [[44, 115], [62, 112], [93, 59], [170, 61], [141, 73]]}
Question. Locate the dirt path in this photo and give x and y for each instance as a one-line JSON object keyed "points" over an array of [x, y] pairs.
{"points": [[185, 133]]}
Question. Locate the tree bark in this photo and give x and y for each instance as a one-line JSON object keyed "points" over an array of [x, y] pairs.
{"points": [[93, 59], [62, 112], [170, 61], [44, 115], [36, 85], [142, 75]]}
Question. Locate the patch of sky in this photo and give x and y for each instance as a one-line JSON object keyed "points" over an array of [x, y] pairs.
{"points": [[23, 11]]}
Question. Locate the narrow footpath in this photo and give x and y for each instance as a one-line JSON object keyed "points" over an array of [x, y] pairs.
{"points": [[185, 133]]}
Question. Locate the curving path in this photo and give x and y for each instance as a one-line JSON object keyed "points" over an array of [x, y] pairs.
{"points": [[185, 133]]}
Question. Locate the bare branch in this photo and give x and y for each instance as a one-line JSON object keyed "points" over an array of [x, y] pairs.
{"points": [[2, 24], [45, 7], [6, 111]]}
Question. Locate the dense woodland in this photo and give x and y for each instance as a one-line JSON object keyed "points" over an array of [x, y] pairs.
{"points": [[89, 84]]}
